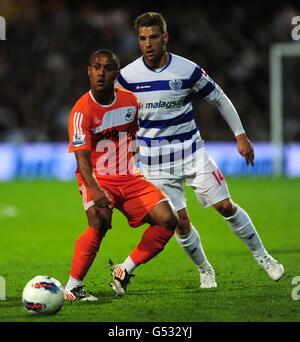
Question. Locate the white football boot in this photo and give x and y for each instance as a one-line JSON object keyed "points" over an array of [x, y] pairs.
{"points": [[120, 280], [79, 293], [208, 279], [273, 268]]}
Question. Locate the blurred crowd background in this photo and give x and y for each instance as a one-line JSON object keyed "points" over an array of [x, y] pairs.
{"points": [[44, 59]]}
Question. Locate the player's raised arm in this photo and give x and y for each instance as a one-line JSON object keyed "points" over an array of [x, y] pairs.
{"points": [[212, 93]]}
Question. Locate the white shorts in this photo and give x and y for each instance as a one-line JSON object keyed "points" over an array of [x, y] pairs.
{"points": [[207, 182]]}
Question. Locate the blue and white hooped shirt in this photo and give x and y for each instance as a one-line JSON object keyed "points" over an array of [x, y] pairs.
{"points": [[166, 120]]}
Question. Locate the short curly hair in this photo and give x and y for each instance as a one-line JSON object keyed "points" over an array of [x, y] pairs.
{"points": [[107, 52]]}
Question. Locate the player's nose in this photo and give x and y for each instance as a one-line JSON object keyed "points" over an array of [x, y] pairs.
{"points": [[101, 75]]}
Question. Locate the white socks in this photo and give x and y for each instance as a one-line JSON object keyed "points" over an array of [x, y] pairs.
{"points": [[129, 265], [242, 226], [73, 283], [192, 246]]}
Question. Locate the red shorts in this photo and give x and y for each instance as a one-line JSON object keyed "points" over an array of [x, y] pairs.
{"points": [[133, 195]]}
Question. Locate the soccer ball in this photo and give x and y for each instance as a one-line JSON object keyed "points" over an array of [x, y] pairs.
{"points": [[43, 295]]}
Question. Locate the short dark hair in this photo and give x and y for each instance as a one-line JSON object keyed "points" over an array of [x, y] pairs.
{"points": [[107, 52], [150, 19]]}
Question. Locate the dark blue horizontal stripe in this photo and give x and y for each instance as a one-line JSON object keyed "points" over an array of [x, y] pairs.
{"points": [[160, 84], [173, 156], [122, 81], [196, 75], [186, 117], [154, 86], [207, 89], [150, 142]]}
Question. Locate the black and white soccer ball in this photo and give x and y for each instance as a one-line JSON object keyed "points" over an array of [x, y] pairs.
{"points": [[43, 295]]}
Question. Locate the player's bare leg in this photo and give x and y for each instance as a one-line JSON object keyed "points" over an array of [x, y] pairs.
{"points": [[86, 248], [241, 224], [163, 221], [163, 215], [186, 234], [189, 239]]}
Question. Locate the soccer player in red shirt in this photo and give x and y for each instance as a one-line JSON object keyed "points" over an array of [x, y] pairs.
{"points": [[102, 128]]}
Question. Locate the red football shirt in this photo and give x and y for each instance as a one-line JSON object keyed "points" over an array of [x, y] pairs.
{"points": [[108, 131]]}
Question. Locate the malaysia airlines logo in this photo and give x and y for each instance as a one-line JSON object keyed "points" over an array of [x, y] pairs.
{"points": [[166, 104], [175, 84]]}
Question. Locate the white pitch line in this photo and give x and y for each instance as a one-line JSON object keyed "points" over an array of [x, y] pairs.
{"points": [[8, 211]]}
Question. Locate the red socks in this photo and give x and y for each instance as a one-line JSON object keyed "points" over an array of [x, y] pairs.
{"points": [[153, 242], [86, 248], [87, 245]]}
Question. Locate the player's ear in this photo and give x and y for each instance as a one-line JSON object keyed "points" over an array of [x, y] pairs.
{"points": [[166, 38], [116, 74], [89, 71]]}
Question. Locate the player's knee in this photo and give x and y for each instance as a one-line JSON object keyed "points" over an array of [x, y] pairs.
{"points": [[226, 208], [184, 225], [97, 221], [169, 221]]}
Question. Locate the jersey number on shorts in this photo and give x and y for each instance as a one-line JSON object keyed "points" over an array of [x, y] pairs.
{"points": [[218, 176]]}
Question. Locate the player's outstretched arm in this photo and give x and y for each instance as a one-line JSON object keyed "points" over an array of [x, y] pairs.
{"points": [[100, 196]]}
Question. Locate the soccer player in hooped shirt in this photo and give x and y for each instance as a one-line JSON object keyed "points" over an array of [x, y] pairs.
{"points": [[171, 148], [102, 128]]}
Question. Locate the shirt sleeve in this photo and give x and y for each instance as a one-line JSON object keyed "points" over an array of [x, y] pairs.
{"points": [[229, 113], [79, 130], [204, 85], [211, 92], [135, 124]]}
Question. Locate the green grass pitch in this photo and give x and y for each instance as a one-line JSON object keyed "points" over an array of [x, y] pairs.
{"points": [[40, 221]]}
